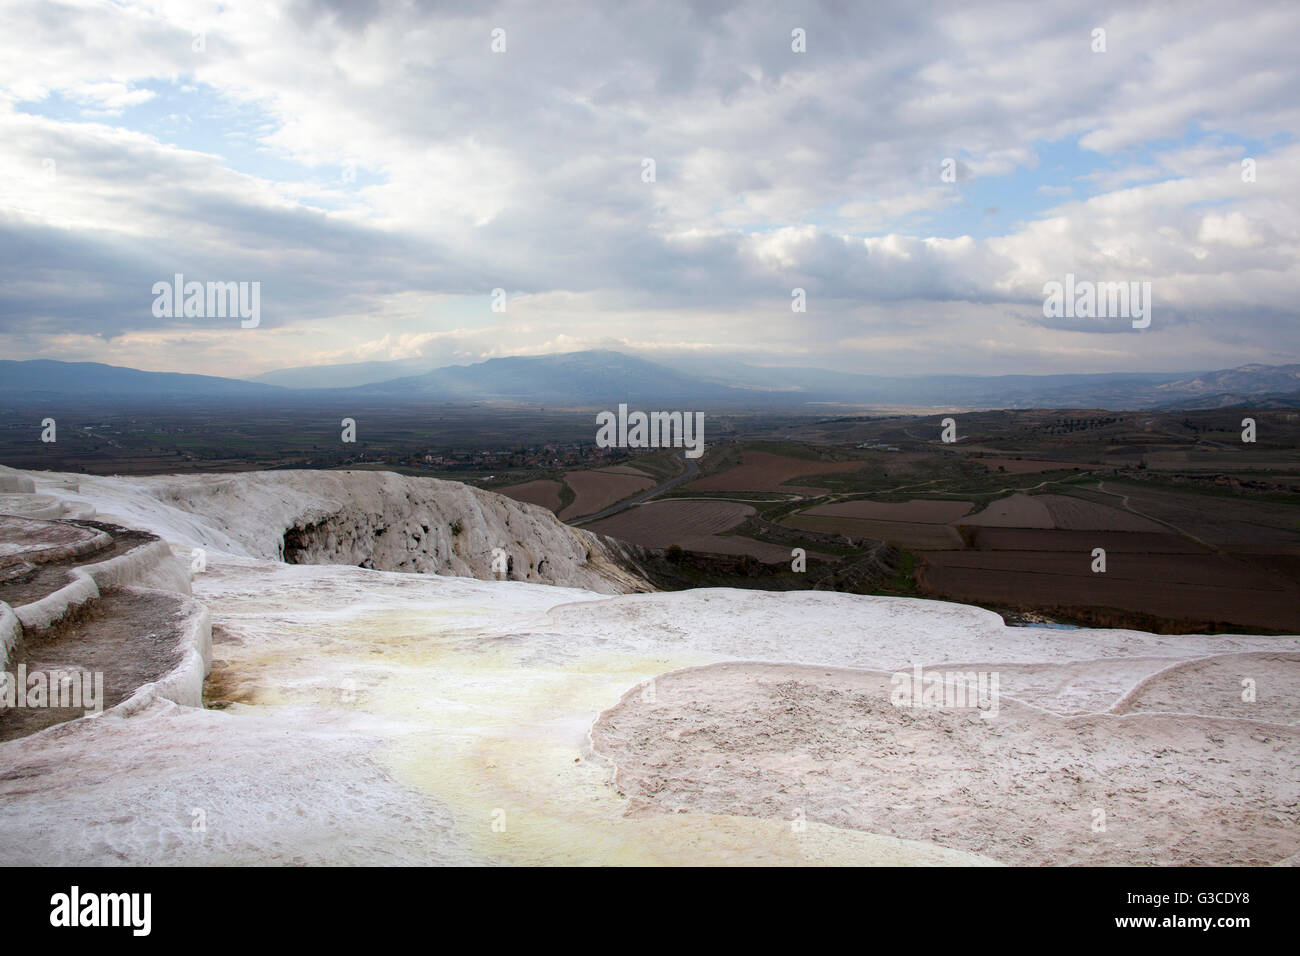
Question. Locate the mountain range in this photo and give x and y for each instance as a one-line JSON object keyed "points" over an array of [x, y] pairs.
{"points": [[605, 378]]}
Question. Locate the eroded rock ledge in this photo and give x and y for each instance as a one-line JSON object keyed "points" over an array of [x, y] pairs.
{"points": [[372, 519]]}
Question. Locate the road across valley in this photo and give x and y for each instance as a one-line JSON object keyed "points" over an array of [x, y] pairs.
{"points": [[692, 471]]}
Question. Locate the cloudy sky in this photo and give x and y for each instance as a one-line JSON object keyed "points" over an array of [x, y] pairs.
{"points": [[380, 169]]}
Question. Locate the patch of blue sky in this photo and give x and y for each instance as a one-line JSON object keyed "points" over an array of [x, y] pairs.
{"points": [[988, 205], [196, 117], [1064, 172]]}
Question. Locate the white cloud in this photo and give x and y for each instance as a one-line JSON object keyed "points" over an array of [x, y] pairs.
{"points": [[522, 170]]}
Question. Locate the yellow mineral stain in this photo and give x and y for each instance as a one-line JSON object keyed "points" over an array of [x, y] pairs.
{"points": [[494, 728]]}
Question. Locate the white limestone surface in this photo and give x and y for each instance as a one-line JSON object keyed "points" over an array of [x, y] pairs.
{"points": [[388, 521], [361, 716]]}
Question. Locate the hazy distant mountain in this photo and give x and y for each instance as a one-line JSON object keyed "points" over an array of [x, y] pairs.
{"points": [[344, 376], [40, 378], [571, 379], [606, 378], [1261, 384], [1008, 391], [1246, 380], [1231, 399]]}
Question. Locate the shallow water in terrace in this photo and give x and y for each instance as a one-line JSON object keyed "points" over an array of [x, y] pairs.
{"points": [[494, 727]]}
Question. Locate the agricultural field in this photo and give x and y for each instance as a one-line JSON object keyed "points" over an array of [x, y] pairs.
{"points": [[915, 525], [915, 510], [1177, 557], [1006, 516], [633, 470], [910, 535], [1025, 466], [1076, 514], [1197, 590], [691, 525], [600, 488], [661, 524], [561, 494], [1283, 566], [1074, 542], [1014, 511], [543, 491], [764, 471], [1188, 558], [1222, 520], [1011, 518]]}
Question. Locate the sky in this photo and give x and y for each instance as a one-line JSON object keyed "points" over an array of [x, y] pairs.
{"points": [[920, 171]]}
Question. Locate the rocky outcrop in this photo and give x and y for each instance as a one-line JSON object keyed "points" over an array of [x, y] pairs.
{"points": [[454, 529], [13, 481], [371, 519]]}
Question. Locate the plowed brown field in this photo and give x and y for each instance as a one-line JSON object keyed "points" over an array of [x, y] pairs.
{"points": [[763, 471], [1187, 587], [659, 524], [544, 492], [693, 525], [925, 512], [1075, 514], [912, 535], [1046, 539], [600, 489], [1027, 466], [1015, 511]]}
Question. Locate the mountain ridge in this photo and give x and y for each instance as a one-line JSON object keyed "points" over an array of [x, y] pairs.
{"points": [[604, 378]]}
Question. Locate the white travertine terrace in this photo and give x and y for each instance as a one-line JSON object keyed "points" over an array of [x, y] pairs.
{"points": [[368, 716]]}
